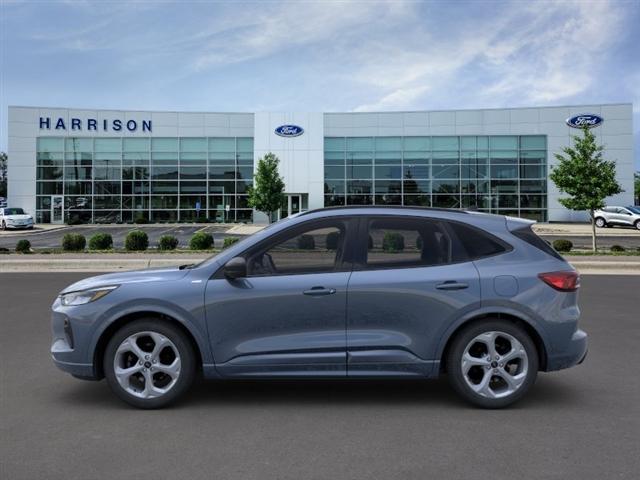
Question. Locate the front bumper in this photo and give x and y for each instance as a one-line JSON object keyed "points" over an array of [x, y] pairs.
{"points": [[66, 352], [18, 227], [574, 353]]}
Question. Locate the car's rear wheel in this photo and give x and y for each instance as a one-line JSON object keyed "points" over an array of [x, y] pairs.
{"points": [[492, 364], [637, 224], [149, 363], [4, 225], [600, 222]]}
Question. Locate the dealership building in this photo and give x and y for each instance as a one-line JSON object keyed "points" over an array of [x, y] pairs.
{"points": [[109, 166]]}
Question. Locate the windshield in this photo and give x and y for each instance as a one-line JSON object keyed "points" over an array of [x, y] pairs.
{"points": [[634, 209], [13, 211]]}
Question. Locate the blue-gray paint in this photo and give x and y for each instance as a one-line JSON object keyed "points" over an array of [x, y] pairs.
{"points": [[377, 323]]}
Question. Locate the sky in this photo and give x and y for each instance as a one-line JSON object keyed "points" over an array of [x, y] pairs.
{"points": [[364, 55]]}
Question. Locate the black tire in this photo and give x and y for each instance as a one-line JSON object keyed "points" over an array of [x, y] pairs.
{"points": [[601, 222], [185, 350], [4, 225], [637, 224], [454, 362]]}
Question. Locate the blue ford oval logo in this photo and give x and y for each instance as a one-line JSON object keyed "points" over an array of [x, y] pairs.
{"points": [[289, 131], [583, 120]]}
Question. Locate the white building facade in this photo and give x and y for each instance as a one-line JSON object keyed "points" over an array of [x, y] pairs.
{"points": [[111, 166]]}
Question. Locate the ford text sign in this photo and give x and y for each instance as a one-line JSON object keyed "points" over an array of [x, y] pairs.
{"points": [[289, 131], [583, 120]]}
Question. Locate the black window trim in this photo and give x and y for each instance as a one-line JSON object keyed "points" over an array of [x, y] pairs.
{"points": [[361, 243], [344, 264]]}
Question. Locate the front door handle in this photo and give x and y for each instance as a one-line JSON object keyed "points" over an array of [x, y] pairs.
{"points": [[320, 291], [452, 285]]}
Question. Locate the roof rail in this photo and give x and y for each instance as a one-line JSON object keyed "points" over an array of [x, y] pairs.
{"points": [[397, 207]]}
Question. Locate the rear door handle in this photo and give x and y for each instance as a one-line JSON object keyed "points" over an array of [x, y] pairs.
{"points": [[320, 291], [452, 285]]}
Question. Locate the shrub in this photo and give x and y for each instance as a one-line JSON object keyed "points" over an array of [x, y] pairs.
{"points": [[202, 220], [228, 241], [306, 242], [73, 242], [136, 240], [562, 245], [23, 246], [332, 240], [101, 241], [393, 242], [167, 242], [142, 220], [4, 250], [617, 248], [201, 241]]}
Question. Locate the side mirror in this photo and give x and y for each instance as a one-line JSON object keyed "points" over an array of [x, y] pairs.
{"points": [[235, 268]]}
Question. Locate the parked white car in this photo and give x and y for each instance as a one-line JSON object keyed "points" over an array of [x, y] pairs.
{"points": [[624, 216], [15, 218]]}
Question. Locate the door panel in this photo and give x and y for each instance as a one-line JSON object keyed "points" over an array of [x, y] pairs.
{"points": [[288, 316], [395, 318], [268, 326], [404, 294]]}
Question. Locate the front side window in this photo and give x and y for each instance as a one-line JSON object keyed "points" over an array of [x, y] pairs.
{"points": [[318, 248], [406, 242]]}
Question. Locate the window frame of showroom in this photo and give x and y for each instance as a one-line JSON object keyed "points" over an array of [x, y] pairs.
{"points": [[59, 183], [487, 196]]}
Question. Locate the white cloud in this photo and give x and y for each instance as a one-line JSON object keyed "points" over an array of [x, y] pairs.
{"points": [[536, 53]]}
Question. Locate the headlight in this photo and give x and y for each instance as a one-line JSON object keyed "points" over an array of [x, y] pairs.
{"points": [[85, 296]]}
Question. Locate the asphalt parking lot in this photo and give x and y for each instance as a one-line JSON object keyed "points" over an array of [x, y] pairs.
{"points": [[53, 238], [582, 423]]}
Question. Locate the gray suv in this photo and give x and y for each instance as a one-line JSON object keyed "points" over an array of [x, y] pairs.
{"points": [[343, 292], [621, 216]]}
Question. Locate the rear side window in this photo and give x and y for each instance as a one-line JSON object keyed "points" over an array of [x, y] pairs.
{"points": [[406, 242], [478, 243], [531, 238]]}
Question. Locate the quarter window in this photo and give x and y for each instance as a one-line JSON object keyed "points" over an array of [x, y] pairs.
{"points": [[476, 243], [406, 242], [316, 249]]}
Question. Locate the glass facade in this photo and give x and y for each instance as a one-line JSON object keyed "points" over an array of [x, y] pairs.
{"points": [[499, 174], [110, 180]]}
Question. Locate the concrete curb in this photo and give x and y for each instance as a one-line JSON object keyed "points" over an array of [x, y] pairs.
{"points": [[91, 264]]}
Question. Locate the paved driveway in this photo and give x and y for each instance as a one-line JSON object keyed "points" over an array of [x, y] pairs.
{"points": [[53, 238], [582, 423]]}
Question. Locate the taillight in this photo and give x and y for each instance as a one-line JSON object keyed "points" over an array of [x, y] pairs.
{"points": [[563, 281]]}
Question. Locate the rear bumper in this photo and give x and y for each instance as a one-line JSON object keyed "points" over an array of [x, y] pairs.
{"points": [[573, 354]]}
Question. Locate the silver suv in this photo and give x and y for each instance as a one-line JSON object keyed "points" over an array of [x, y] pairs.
{"points": [[624, 216]]}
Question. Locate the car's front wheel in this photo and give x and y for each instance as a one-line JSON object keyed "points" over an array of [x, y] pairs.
{"points": [[600, 222], [492, 364], [637, 224], [149, 363]]}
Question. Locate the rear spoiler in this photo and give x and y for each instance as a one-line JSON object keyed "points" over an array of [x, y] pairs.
{"points": [[516, 223]]}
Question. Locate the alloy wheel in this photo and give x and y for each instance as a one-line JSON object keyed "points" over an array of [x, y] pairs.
{"points": [[494, 364], [147, 364]]}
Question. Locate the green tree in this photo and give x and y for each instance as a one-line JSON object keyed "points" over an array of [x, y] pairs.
{"points": [[636, 187], [267, 193], [585, 177], [3, 174]]}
